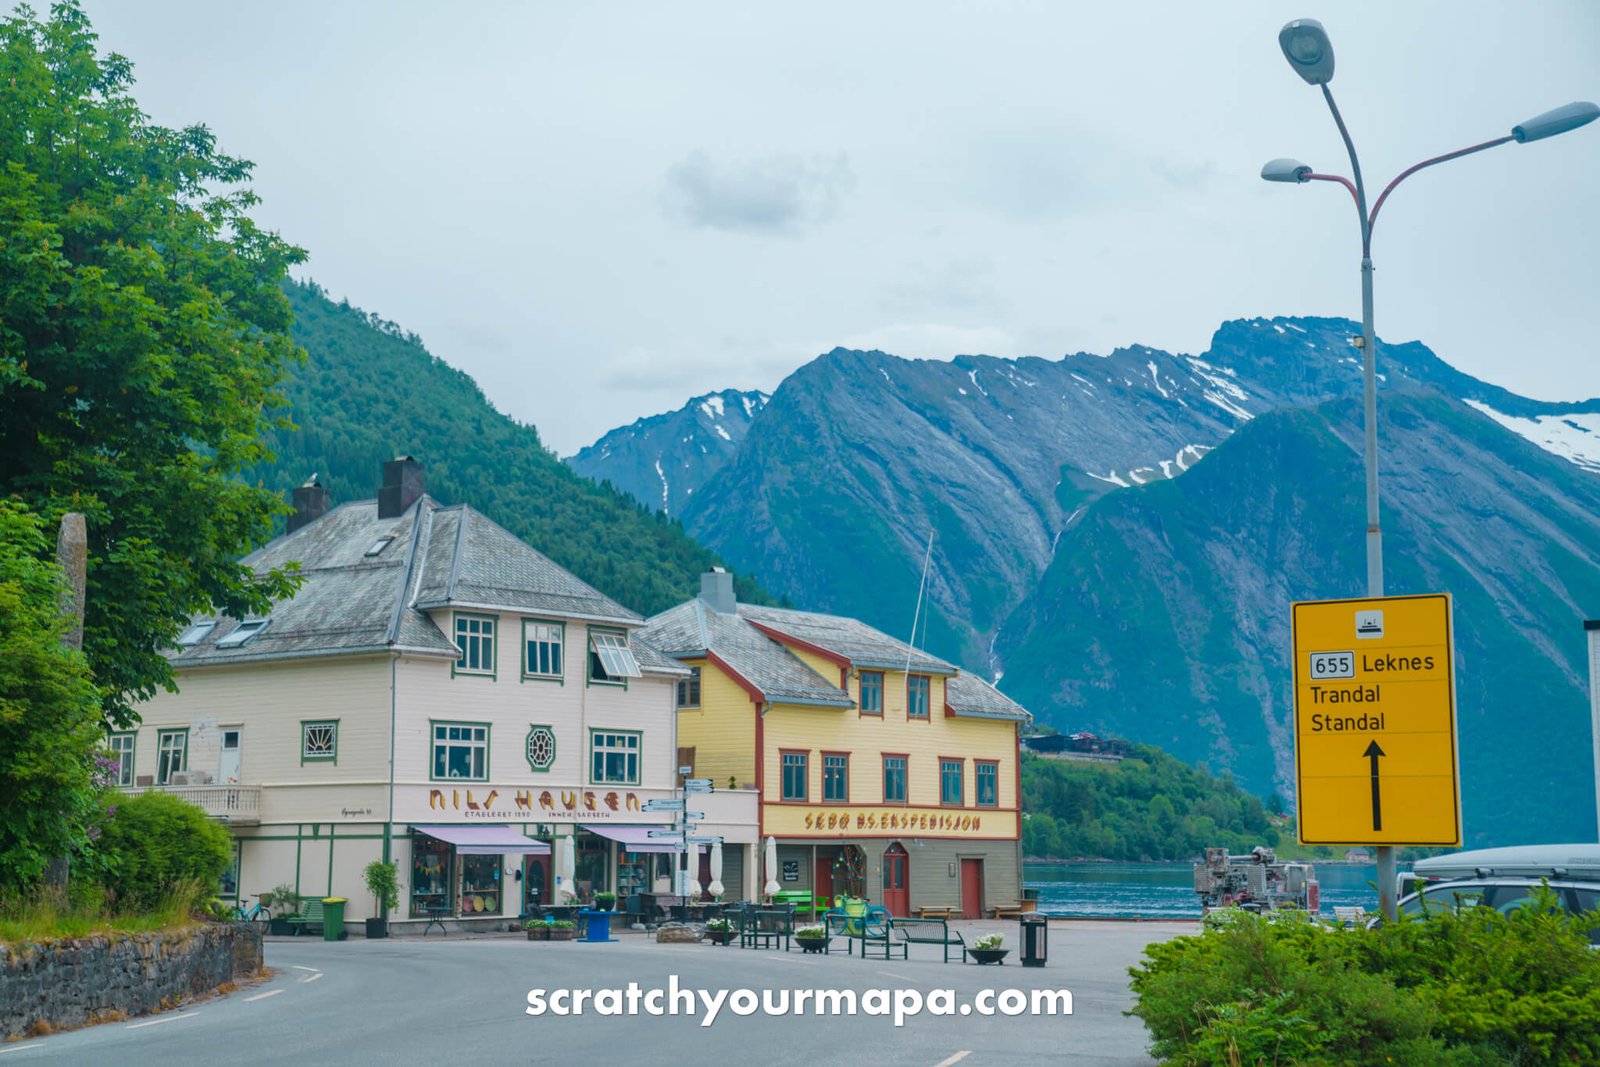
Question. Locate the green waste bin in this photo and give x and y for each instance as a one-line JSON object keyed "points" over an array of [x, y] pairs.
{"points": [[333, 918]]}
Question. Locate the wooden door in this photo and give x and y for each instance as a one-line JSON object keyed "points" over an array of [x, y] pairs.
{"points": [[535, 882], [972, 888], [896, 884], [822, 886], [704, 875]]}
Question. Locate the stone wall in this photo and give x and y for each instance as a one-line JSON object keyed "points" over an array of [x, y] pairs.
{"points": [[68, 983]]}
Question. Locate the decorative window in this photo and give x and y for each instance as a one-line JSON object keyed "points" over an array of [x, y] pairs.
{"points": [[872, 692], [172, 754], [196, 632], [986, 787], [461, 751], [836, 778], [242, 633], [613, 757], [475, 641], [950, 774], [918, 687], [541, 748], [319, 741], [121, 748], [689, 689], [795, 776], [541, 645], [894, 779], [610, 659]]}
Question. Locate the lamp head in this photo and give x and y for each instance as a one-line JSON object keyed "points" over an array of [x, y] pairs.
{"points": [[1285, 170], [1564, 118], [1306, 46]]}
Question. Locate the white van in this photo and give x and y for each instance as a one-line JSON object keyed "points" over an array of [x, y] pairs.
{"points": [[1505, 879]]}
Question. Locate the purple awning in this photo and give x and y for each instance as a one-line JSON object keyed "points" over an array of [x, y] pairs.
{"points": [[636, 838], [486, 840]]}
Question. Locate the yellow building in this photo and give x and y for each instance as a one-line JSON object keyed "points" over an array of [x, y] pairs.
{"points": [[882, 771]]}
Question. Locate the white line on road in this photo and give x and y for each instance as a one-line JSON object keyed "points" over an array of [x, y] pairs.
{"points": [[957, 1058], [310, 978], [21, 1048], [302, 967], [263, 996], [164, 1019], [903, 978], [791, 959]]}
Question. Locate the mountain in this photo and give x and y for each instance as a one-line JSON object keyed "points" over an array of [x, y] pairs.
{"points": [[1165, 613], [663, 459], [369, 391]]}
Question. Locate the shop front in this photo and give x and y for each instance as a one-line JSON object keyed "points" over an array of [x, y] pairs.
{"points": [[462, 871]]}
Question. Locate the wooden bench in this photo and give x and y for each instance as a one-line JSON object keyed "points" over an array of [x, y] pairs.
{"points": [[928, 932], [310, 915], [928, 911], [1007, 911]]}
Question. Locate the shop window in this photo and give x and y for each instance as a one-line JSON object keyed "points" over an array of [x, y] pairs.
{"points": [[319, 741], [689, 689], [460, 751], [121, 748], [872, 692], [542, 642], [480, 885], [475, 642], [918, 688], [795, 776], [172, 754], [986, 786], [614, 757], [894, 779], [836, 778], [589, 866], [950, 773], [430, 877]]}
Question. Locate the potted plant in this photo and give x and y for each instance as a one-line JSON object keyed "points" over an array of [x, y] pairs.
{"points": [[538, 930], [988, 950], [383, 882], [605, 901], [285, 906], [562, 929], [812, 938], [719, 931]]}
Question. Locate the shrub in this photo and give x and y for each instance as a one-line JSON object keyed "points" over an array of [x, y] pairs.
{"points": [[719, 924], [989, 941], [811, 933], [285, 900], [155, 841]]}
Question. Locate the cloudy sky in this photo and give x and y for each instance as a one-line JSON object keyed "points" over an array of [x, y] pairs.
{"points": [[600, 210]]}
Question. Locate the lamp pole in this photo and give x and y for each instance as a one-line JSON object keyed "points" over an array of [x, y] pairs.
{"points": [[1306, 46]]}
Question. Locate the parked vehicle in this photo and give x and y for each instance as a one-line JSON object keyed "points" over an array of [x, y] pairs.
{"points": [[1506, 878]]}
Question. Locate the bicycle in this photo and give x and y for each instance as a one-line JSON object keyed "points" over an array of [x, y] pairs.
{"points": [[255, 913]]}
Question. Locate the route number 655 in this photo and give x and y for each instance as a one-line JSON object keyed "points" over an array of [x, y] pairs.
{"points": [[1333, 665]]}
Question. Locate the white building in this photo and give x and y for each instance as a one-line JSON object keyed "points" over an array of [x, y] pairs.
{"points": [[438, 693]]}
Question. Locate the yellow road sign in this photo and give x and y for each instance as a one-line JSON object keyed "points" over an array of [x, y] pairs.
{"points": [[1375, 722]]}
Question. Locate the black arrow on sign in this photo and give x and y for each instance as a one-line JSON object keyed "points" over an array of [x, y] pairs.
{"points": [[1372, 753]]}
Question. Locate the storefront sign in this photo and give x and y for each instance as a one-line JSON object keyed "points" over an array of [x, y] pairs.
{"points": [[499, 804], [792, 820]]}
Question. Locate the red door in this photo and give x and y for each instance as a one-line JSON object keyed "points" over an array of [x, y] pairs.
{"points": [[823, 886], [972, 889], [896, 888]]}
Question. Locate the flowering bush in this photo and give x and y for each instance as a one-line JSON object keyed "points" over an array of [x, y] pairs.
{"points": [[991, 941]]}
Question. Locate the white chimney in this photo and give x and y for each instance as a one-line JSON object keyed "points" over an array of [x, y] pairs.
{"points": [[716, 590]]}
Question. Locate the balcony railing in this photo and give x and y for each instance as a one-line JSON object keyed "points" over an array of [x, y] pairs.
{"points": [[235, 804]]}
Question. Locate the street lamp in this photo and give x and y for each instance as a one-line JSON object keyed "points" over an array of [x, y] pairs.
{"points": [[1306, 46]]}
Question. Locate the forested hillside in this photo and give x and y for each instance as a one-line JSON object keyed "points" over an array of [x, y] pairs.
{"points": [[368, 391]]}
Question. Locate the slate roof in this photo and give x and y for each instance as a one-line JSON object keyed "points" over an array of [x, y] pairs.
{"points": [[694, 629], [432, 557]]}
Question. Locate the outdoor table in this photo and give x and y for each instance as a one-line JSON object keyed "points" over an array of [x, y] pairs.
{"points": [[563, 912], [597, 925]]}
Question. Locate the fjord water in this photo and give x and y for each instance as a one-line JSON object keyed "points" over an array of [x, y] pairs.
{"points": [[1166, 890]]}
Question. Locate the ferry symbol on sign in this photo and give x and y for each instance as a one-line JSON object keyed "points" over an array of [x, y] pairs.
{"points": [[1369, 624]]}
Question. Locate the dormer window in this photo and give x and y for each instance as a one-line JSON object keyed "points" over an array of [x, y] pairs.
{"points": [[610, 659], [379, 545], [196, 632], [243, 632]]}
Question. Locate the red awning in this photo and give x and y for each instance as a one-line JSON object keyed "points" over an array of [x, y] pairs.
{"points": [[636, 838], [486, 840]]}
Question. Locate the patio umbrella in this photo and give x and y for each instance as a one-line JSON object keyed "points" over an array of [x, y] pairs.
{"points": [[565, 871], [716, 888], [772, 867], [693, 851]]}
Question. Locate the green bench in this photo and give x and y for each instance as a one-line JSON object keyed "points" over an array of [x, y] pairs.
{"points": [[310, 915], [928, 932]]}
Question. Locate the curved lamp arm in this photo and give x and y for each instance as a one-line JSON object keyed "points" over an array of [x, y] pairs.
{"points": [[1409, 171]]}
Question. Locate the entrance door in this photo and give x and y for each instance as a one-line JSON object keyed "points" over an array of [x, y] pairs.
{"points": [[823, 885], [228, 762], [704, 875], [972, 888], [896, 888], [535, 880]]}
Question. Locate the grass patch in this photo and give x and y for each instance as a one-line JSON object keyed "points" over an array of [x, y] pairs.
{"points": [[52, 916]]}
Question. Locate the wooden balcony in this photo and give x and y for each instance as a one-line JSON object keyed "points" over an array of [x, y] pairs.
{"points": [[236, 805]]}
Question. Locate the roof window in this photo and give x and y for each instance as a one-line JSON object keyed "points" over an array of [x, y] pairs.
{"points": [[243, 632], [196, 632], [379, 545]]}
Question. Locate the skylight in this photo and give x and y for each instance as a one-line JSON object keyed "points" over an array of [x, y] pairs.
{"points": [[196, 632], [380, 544], [243, 632], [615, 656]]}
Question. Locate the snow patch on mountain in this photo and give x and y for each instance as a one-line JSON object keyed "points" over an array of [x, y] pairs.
{"points": [[713, 407], [1574, 437]]}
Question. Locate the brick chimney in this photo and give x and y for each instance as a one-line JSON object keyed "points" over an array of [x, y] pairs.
{"points": [[716, 589], [402, 486], [311, 502]]}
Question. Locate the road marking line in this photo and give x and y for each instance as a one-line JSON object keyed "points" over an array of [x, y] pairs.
{"points": [[21, 1048], [903, 978], [163, 1019], [310, 978], [957, 1058], [302, 967], [791, 959], [263, 996]]}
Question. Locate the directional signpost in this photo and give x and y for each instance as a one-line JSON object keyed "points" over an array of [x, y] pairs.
{"points": [[1375, 722], [675, 804], [698, 785]]}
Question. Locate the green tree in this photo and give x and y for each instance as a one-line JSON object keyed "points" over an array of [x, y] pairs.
{"points": [[154, 843], [142, 341], [49, 711]]}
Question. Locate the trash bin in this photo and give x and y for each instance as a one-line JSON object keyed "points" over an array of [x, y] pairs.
{"points": [[1035, 939], [333, 918]]}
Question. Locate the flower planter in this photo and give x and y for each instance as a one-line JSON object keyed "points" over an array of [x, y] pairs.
{"points": [[989, 955], [538, 933], [562, 935], [719, 937], [377, 928], [279, 926], [812, 944]]}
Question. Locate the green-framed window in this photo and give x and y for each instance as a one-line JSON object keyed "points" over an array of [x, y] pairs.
{"points": [[475, 642], [121, 747], [611, 661], [319, 741], [836, 777], [460, 752], [689, 689], [541, 748], [872, 692], [614, 757], [919, 688], [542, 646], [986, 783], [951, 771], [796, 776], [894, 779], [172, 754]]}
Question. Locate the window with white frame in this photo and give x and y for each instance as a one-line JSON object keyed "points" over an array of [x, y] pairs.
{"points": [[461, 751], [475, 642], [689, 689], [541, 642], [610, 658], [172, 754], [319, 741], [242, 633], [196, 632], [121, 747], [614, 757]]}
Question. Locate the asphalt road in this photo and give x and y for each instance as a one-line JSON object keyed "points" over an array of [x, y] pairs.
{"points": [[443, 1001]]}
